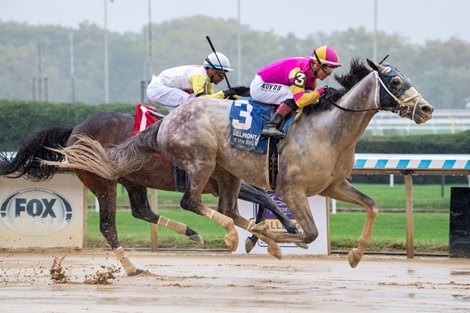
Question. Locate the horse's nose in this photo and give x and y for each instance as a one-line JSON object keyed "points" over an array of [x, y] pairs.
{"points": [[427, 109]]}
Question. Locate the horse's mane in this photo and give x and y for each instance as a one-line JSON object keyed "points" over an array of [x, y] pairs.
{"points": [[347, 80]]}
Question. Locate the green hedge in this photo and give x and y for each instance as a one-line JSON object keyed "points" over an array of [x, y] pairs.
{"points": [[19, 120], [418, 144]]}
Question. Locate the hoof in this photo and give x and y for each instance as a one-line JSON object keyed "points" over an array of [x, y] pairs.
{"points": [[137, 272], [196, 239], [354, 258], [140, 272], [231, 241], [302, 245], [250, 244], [275, 251]]}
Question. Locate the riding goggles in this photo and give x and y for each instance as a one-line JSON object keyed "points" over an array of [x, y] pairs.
{"points": [[326, 68]]}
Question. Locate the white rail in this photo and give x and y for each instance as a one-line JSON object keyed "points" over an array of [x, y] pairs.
{"points": [[443, 122], [407, 165]]}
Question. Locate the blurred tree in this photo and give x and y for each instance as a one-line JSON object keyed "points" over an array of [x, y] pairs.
{"points": [[439, 70]]}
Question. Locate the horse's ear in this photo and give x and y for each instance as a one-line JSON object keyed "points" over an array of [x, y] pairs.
{"points": [[375, 66]]}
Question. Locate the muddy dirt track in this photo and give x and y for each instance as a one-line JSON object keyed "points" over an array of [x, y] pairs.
{"points": [[221, 282]]}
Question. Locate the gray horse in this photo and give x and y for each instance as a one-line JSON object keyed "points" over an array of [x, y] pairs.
{"points": [[316, 157]]}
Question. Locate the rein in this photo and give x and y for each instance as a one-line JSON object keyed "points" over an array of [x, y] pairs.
{"points": [[401, 108]]}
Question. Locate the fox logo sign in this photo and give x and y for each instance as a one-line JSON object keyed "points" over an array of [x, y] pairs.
{"points": [[36, 212]]}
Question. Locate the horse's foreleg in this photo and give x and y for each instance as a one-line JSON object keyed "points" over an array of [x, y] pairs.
{"points": [[195, 205], [229, 189], [197, 155], [192, 201], [251, 241], [252, 194], [298, 205], [260, 197], [344, 191], [260, 230], [140, 208]]}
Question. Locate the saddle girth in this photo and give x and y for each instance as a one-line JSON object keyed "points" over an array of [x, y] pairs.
{"points": [[272, 163]]}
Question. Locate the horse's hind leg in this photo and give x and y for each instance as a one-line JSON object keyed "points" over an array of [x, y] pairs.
{"points": [[140, 208], [229, 186], [198, 178], [105, 192], [344, 191]]}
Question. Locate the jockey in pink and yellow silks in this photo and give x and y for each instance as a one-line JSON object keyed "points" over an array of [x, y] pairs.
{"points": [[291, 83]]}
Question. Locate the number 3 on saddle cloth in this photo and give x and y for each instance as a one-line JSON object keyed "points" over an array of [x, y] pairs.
{"points": [[144, 117], [247, 119]]}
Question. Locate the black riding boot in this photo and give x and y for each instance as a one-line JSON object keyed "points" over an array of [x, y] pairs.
{"points": [[271, 129]]}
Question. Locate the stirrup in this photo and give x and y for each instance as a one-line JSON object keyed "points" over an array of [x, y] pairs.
{"points": [[272, 132]]}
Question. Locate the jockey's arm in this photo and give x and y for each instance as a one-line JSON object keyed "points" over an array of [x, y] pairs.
{"points": [[211, 94], [302, 98], [202, 88]]}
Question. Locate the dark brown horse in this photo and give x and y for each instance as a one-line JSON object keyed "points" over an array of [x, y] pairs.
{"points": [[111, 128], [316, 157]]}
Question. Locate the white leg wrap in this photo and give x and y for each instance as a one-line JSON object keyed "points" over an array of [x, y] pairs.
{"points": [[129, 268]]}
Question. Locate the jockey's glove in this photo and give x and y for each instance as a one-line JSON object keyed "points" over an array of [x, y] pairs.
{"points": [[229, 93], [238, 90], [321, 90], [328, 93]]}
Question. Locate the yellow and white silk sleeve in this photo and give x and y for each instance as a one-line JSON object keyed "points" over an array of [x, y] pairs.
{"points": [[210, 92], [199, 84]]}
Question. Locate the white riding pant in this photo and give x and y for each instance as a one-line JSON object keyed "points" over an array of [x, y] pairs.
{"points": [[269, 92], [169, 97]]}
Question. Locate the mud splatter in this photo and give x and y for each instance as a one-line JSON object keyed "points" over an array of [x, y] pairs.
{"points": [[57, 273], [102, 277]]}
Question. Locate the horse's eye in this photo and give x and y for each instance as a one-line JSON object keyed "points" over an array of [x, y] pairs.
{"points": [[396, 81]]}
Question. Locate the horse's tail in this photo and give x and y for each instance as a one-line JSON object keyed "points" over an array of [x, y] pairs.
{"points": [[26, 161], [89, 155]]}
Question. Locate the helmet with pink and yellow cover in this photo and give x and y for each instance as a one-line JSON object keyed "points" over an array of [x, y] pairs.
{"points": [[325, 55]]}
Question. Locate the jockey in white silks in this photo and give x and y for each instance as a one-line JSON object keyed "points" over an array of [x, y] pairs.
{"points": [[177, 85]]}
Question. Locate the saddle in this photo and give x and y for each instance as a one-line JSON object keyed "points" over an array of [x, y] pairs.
{"points": [[247, 119]]}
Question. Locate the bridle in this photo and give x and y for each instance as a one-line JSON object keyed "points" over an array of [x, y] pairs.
{"points": [[400, 106]]}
